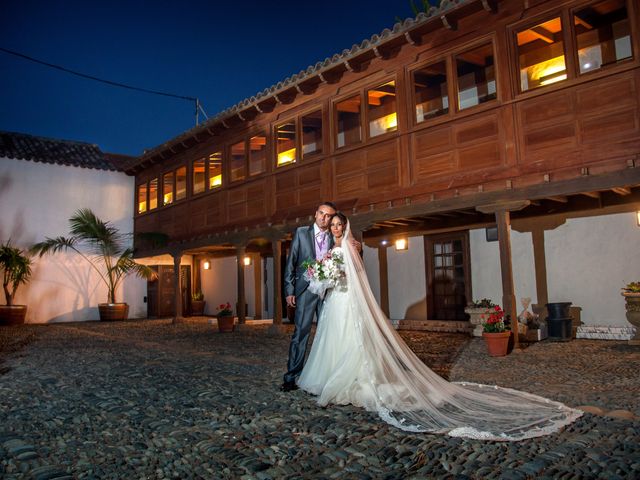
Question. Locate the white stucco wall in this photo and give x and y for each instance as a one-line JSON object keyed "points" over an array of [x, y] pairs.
{"points": [[588, 260], [407, 281], [372, 267], [36, 201]]}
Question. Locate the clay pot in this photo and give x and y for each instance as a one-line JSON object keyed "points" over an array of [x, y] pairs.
{"points": [[497, 343]]}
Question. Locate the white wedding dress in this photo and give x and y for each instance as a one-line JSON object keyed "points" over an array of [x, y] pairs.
{"points": [[358, 358]]}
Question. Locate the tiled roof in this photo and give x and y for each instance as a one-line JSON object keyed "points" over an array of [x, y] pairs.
{"points": [[20, 146]]}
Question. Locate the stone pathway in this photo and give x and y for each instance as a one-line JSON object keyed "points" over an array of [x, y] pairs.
{"points": [[147, 400]]}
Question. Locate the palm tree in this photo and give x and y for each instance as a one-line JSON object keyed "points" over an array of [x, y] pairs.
{"points": [[102, 245], [16, 270]]}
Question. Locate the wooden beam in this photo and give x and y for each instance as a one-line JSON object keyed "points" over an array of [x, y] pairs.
{"points": [[257, 285], [595, 195], [622, 190], [503, 221], [242, 299], [383, 272], [504, 206], [178, 314], [559, 199]]}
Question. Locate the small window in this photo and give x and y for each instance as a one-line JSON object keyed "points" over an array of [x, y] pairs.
{"points": [[349, 131], [541, 55], [153, 194], [381, 109], [142, 198], [167, 188], [602, 35], [199, 176], [238, 161], [286, 143], [312, 133], [476, 76], [430, 88], [215, 170], [257, 154], [181, 183]]}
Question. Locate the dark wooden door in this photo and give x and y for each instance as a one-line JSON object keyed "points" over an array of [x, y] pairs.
{"points": [[448, 275], [161, 292]]}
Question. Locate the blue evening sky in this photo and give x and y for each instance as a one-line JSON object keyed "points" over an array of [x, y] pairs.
{"points": [[220, 52]]}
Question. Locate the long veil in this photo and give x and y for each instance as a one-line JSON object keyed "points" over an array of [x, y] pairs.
{"points": [[410, 396]]}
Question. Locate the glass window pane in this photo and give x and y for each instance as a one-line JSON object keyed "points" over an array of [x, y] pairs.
{"points": [[348, 121], [167, 188], [286, 143], [142, 198], [476, 76], [381, 109], [215, 170], [181, 183], [153, 194], [198, 176], [430, 87], [257, 154], [602, 35], [541, 55], [238, 161], [312, 133]]}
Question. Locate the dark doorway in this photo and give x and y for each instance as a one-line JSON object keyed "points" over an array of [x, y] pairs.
{"points": [[161, 292], [448, 275]]}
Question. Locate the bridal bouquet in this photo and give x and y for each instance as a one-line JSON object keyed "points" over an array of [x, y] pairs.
{"points": [[324, 273]]}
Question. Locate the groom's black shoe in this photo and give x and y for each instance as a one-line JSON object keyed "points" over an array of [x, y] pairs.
{"points": [[288, 387]]}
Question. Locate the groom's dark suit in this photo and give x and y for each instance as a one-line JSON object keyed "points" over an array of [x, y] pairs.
{"points": [[307, 304]]}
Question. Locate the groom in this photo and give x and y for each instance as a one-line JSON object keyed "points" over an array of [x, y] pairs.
{"points": [[311, 242]]}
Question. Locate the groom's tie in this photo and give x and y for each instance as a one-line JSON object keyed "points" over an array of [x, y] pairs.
{"points": [[321, 244]]}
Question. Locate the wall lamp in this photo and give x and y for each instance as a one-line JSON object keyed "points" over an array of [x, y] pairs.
{"points": [[402, 244], [638, 217], [246, 261], [206, 265]]}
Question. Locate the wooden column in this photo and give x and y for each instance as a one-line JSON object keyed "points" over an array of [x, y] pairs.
{"points": [[277, 327], [177, 257], [242, 300], [383, 273], [503, 222], [257, 285], [540, 261], [197, 284]]}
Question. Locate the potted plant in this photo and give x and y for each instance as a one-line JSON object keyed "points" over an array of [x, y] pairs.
{"points": [[226, 320], [15, 265], [631, 294], [104, 248], [496, 332], [197, 303], [476, 310]]}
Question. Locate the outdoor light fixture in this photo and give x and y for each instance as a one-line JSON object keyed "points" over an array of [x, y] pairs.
{"points": [[206, 265], [402, 244], [246, 261], [638, 217], [384, 243]]}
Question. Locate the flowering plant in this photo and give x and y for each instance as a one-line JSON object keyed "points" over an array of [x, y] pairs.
{"points": [[632, 287], [495, 323], [324, 273], [224, 310], [484, 303]]}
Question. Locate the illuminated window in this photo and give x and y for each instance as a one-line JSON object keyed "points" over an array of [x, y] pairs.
{"points": [[257, 154], [181, 183], [153, 194], [381, 109], [167, 188], [215, 170], [541, 55], [349, 131], [142, 198], [430, 88], [602, 35], [238, 161], [476, 76], [198, 176], [286, 143], [312, 133]]}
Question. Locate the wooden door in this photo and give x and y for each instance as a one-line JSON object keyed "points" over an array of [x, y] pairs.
{"points": [[161, 292], [448, 275]]}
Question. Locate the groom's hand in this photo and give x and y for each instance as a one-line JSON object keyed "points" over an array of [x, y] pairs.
{"points": [[356, 244], [291, 300]]}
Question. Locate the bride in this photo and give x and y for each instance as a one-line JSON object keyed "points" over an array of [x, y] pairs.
{"points": [[358, 358]]}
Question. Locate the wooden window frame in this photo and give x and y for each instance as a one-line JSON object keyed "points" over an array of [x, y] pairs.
{"points": [[146, 201], [454, 100], [448, 60], [365, 110], [297, 120], [205, 159], [227, 169]]}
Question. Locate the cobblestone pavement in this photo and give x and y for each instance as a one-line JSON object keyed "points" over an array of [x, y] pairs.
{"points": [[148, 399]]}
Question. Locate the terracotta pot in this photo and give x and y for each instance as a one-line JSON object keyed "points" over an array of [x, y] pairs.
{"points": [[632, 307], [497, 343], [110, 312], [226, 323], [197, 307], [12, 314]]}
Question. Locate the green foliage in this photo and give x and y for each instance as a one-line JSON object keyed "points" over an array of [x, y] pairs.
{"points": [[197, 296], [102, 246], [484, 303], [15, 266], [632, 287], [495, 321]]}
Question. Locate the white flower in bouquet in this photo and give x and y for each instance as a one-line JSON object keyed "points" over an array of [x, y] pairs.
{"points": [[324, 273]]}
